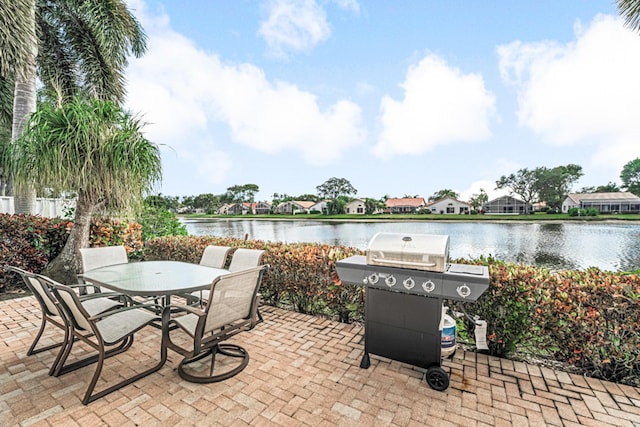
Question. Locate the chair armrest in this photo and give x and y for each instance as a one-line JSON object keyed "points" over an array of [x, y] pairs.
{"points": [[194, 310], [154, 307], [124, 298]]}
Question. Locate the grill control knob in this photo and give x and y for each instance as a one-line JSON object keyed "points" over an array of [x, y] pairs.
{"points": [[409, 283], [390, 281], [463, 290], [373, 278], [428, 286]]}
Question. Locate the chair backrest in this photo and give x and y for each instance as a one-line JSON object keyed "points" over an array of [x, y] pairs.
{"points": [[102, 257], [232, 298], [245, 258], [70, 303], [41, 292], [215, 256]]}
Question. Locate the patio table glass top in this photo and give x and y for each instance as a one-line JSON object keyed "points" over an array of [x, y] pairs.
{"points": [[151, 278]]}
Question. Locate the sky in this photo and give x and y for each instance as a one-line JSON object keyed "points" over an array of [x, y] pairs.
{"points": [[401, 98]]}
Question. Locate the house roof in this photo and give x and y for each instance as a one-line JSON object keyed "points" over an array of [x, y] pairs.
{"points": [[622, 196], [304, 203], [406, 201], [453, 199], [355, 201]]}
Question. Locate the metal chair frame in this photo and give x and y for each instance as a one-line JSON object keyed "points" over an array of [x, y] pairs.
{"points": [[96, 331], [52, 313]]}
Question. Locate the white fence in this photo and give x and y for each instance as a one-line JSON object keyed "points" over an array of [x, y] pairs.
{"points": [[49, 208]]}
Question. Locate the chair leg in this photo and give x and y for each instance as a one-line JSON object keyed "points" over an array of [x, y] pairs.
{"points": [[230, 350], [65, 343], [89, 397], [32, 349], [61, 370], [57, 368]]}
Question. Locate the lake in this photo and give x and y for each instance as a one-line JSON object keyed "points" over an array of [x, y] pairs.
{"points": [[571, 245]]}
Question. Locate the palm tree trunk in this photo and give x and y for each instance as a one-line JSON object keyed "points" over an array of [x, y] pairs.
{"points": [[65, 267], [24, 103]]}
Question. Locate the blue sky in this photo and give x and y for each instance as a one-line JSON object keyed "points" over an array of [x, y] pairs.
{"points": [[399, 97]]}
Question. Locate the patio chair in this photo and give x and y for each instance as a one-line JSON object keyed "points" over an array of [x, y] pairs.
{"points": [[215, 256], [108, 333], [51, 313], [101, 257], [243, 259], [212, 256], [231, 309]]}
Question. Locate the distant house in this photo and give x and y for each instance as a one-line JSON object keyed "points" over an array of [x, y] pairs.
{"points": [[294, 206], [224, 209], [506, 205], [320, 206], [619, 202], [448, 205], [261, 208], [355, 207], [232, 209], [404, 205], [245, 208]]}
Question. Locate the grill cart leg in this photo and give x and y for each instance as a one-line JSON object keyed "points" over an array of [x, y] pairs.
{"points": [[437, 378], [365, 362]]}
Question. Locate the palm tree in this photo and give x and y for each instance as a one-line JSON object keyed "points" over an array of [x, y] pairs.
{"points": [[630, 11], [17, 18], [81, 45], [91, 147]]}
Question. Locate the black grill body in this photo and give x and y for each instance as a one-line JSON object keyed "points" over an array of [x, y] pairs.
{"points": [[403, 309]]}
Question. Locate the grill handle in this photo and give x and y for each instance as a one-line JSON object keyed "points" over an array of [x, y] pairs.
{"points": [[417, 264]]}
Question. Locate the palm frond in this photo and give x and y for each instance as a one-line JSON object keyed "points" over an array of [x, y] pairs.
{"points": [[17, 36], [97, 37], [630, 11]]}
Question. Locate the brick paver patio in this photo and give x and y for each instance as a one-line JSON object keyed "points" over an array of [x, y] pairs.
{"points": [[303, 371]]}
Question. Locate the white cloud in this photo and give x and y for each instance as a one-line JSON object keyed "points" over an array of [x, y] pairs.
{"points": [[294, 25], [352, 5], [441, 105], [194, 102], [581, 93]]}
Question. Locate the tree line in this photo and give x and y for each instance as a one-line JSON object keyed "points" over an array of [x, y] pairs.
{"points": [[542, 184]]}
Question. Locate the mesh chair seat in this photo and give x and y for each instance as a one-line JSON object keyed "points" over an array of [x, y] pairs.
{"points": [[120, 324]]}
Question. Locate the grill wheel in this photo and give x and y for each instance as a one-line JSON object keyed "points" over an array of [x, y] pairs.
{"points": [[437, 378]]}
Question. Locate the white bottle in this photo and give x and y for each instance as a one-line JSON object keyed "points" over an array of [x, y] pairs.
{"points": [[448, 337]]}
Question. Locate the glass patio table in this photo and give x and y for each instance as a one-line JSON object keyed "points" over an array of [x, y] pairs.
{"points": [[154, 278]]}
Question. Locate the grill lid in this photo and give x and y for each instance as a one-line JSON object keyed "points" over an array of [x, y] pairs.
{"points": [[416, 251]]}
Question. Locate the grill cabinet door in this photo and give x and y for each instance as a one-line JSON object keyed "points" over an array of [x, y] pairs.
{"points": [[403, 327]]}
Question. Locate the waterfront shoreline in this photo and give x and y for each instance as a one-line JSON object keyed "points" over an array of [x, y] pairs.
{"points": [[497, 220]]}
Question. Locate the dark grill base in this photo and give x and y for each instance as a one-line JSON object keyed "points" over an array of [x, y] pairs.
{"points": [[402, 327]]}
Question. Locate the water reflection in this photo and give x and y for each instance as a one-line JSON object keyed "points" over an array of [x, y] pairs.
{"points": [[555, 245]]}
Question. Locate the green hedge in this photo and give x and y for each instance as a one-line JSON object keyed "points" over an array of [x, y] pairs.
{"points": [[30, 241], [588, 319]]}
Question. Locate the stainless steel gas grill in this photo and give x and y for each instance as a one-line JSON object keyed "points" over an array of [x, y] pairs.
{"points": [[408, 277]]}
